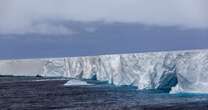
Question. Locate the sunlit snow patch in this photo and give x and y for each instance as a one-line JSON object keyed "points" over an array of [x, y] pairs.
{"points": [[75, 82]]}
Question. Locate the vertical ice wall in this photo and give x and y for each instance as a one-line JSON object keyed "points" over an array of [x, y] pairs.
{"points": [[156, 70]]}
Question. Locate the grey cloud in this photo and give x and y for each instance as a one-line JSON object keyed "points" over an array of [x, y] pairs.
{"points": [[18, 16]]}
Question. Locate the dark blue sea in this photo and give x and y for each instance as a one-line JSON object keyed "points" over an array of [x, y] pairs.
{"points": [[37, 93]]}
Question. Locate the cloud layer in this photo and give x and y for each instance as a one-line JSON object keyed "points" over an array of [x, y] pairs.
{"points": [[32, 16]]}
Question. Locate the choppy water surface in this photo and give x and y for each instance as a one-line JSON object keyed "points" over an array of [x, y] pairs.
{"points": [[18, 93]]}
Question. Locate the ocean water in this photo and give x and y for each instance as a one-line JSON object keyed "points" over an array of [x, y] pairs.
{"points": [[36, 93]]}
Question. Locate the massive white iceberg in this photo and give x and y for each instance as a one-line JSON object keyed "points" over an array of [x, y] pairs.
{"points": [[183, 71]]}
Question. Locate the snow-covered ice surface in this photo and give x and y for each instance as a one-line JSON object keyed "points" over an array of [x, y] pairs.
{"points": [[75, 82], [152, 70]]}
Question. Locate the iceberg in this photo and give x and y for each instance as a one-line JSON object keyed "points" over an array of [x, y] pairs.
{"points": [[178, 71]]}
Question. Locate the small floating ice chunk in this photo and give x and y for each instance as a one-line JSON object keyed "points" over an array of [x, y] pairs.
{"points": [[75, 82]]}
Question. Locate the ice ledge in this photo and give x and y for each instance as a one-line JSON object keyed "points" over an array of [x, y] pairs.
{"points": [[75, 82]]}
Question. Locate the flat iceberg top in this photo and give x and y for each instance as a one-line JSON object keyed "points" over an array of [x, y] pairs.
{"points": [[75, 82], [183, 71]]}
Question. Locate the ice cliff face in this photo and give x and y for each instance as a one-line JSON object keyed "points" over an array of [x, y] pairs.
{"points": [[157, 70]]}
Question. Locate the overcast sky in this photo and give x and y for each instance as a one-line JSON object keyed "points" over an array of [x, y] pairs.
{"points": [[66, 19], [17, 16]]}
